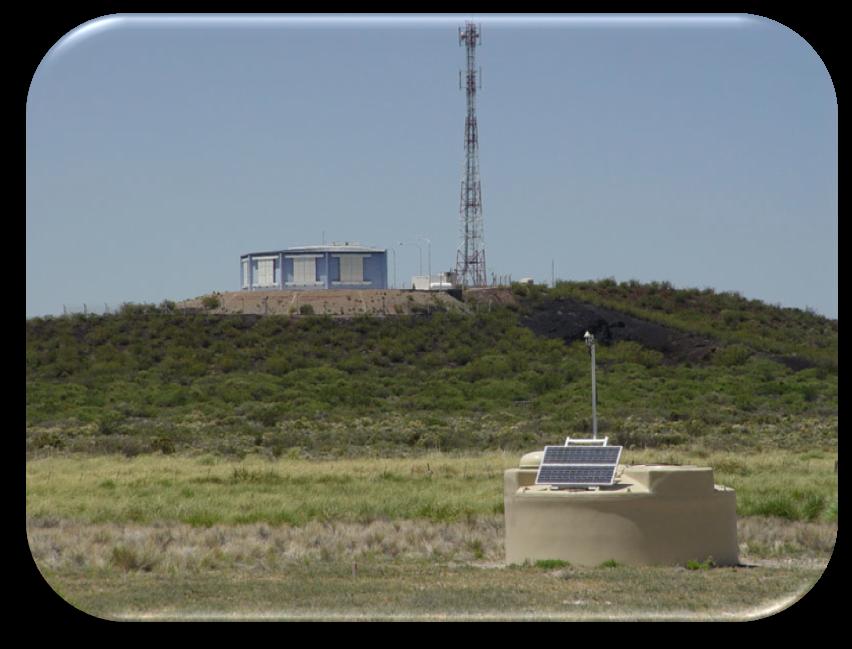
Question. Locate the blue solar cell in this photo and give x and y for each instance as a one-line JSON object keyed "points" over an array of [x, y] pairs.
{"points": [[581, 454], [575, 475], [578, 465]]}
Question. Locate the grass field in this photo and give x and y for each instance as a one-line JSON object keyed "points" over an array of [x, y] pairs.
{"points": [[183, 537], [190, 465], [210, 490], [413, 590]]}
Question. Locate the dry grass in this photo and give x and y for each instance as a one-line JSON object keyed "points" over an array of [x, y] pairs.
{"points": [[761, 537], [179, 548], [438, 591]]}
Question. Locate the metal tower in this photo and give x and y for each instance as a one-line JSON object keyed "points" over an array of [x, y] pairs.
{"points": [[470, 258]]}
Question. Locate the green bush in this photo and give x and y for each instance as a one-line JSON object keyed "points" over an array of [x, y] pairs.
{"points": [[700, 565], [163, 445], [732, 355], [223, 380], [109, 423], [551, 564], [210, 302]]}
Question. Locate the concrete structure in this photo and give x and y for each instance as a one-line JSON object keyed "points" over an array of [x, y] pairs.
{"points": [[652, 514], [335, 266], [439, 282]]}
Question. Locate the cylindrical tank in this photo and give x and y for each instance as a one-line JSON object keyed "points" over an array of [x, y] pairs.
{"points": [[652, 514]]}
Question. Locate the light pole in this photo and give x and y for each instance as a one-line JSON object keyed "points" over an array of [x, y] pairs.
{"points": [[420, 250], [429, 256], [393, 250], [590, 343]]}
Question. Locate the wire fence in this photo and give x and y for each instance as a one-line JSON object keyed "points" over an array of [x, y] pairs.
{"points": [[90, 308], [104, 308]]}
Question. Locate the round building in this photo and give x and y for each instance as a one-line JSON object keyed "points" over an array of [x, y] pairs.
{"points": [[335, 266]]}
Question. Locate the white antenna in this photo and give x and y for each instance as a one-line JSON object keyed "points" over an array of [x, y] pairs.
{"points": [[590, 343]]}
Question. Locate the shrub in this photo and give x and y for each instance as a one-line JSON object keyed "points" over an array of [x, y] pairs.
{"points": [[128, 559], [163, 444], [210, 302], [732, 355], [109, 423], [551, 564], [701, 565], [306, 309], [48, 440], [780, 506]]}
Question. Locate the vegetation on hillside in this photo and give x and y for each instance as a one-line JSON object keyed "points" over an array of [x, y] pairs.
{"points": [[727, 316], [150, 379]]}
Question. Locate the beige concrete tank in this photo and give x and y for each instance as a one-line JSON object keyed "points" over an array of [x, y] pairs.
{"points": [[652, 514]]}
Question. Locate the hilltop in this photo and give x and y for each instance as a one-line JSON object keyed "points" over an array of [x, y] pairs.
{"points": [[334, 303], [507, 368]]}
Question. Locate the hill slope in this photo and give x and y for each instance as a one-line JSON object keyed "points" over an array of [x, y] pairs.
{"points": [[514, 373]]}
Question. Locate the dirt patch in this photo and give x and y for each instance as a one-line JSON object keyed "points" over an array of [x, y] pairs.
{"points": [[795, 363], [336, 303], [569, 320]]}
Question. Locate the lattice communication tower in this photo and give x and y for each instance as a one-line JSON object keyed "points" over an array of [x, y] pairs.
{"points": [[470, 258]]}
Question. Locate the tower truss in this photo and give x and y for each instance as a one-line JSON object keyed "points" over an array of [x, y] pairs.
{"points": [[470, 258]]}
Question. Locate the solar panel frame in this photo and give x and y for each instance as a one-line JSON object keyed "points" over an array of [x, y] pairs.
{"points": [[580, 470], [561, 474], [581, 454]]}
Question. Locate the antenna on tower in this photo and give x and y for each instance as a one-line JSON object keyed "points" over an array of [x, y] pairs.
{"points": [[470, 258]]}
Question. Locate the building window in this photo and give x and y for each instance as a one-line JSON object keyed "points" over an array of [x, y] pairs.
{"points": [[265, 275], [304, 270], [351, 269]]}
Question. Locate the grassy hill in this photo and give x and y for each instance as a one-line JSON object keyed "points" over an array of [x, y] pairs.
{"points": [[150, 379]]}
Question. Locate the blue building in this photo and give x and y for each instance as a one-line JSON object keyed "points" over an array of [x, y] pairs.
{"points": [[315, 267]]}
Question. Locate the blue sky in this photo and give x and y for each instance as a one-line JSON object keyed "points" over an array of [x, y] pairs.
{"points": [[700, 151]]}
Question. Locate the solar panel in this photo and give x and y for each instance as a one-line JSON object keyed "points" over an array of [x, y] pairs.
{"points": [[578, 465], [581, 454], [575, 475]]}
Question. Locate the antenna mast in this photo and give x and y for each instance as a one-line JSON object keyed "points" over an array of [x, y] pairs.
{"points": [[470, 258]]}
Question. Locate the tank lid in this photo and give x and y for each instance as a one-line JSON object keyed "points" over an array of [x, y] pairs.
{"points": [[531, 460]]}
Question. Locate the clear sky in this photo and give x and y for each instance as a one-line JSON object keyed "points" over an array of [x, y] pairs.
{"points": [[700, 151]]}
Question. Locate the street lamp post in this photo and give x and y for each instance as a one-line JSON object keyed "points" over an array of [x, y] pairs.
{"points": [[429, 248], [590, 343], [420, 251], [393, 250]]}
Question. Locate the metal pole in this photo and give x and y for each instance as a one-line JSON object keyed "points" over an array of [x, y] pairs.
{"points": [[393, 250], [420, 253], [590, 343], [429, 249], [594, 397]]}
